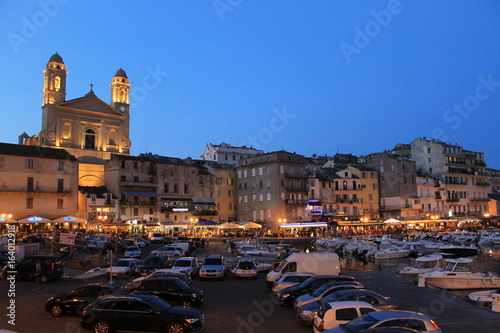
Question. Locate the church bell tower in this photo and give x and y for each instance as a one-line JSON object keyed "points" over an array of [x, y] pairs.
{"points": [[120, 92], [54, 87]]}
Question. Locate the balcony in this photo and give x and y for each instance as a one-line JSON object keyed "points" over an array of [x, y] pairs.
{"points": [[479, 163], [453, 200], [136, 203], [455, 183], [480, 199], [35, 189], [296, 175], [297, 188], [138, 184], [395, 207], [205, 212], [348, 201], [482, 184], [296, 202]]}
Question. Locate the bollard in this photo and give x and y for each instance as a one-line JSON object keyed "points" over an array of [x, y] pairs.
{"points": [[495, 305], [421, 280]]}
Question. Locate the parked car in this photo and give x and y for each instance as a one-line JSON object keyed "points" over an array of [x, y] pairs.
{"points": [[305, 314], [152, 263], [246, 267], [33, 238], [123, 267], [132, 252], [290, 279], [132, 286], [288, 295], [333, 314], [188, 264], [388, 319], [324, 291], [132, 312], [75, 300], [213, 267], [124, 244], [52, 268], [142, 242], [170, 251], [171, 290]]}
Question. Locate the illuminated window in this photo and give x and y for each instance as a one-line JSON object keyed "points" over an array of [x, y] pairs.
{"points": [[57, 83]]}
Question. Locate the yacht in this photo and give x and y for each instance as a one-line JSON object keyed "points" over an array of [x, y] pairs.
{"points": [[424, 264]]}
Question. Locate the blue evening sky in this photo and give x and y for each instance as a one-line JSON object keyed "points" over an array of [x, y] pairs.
{"points": [[312, 77]]}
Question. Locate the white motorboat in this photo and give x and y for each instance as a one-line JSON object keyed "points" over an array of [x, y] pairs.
{"points": [[456, 274], [484, 296], [423, 264], [392, 253]]}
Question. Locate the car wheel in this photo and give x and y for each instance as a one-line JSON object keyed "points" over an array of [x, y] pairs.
{"points": [[175, 327], [186, 302], [44, 279], [56, 310], [102, 326], [176, 255]]}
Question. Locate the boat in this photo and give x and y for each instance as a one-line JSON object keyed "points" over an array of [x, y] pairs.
{"points": [[392, 253], [484, 296], [460, 250], [423, 264], [456, 274]]}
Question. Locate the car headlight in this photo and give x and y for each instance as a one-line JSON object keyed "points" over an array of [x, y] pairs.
{"points": [[194, 295], [192, 320], [306, 313], [219, 270], [283, 296], [299, 303]]}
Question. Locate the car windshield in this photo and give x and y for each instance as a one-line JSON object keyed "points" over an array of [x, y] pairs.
{"points": [[132, 248], [183, 263], [246, 265], [212, 261], [152, 260], [122, 263], [321, 290], [181, 284], [361, 323]]}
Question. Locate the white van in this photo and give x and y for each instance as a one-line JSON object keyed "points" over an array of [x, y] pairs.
{"points": [[318, 263], [155, 237]]}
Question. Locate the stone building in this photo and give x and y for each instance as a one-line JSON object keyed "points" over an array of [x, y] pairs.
{"points": [[227, 154]]}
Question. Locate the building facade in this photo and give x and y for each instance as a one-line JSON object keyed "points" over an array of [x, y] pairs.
{"points": [[227, 154]]}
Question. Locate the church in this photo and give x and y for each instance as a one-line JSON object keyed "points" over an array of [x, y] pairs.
{"points": [[86, 127]]}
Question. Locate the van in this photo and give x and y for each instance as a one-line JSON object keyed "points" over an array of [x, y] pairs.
{"points": [[155, 237], [319, 263]]}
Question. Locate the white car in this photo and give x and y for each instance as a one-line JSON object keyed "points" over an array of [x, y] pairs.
{"points": [[132, 252], [123, 267], [188, 264], [246, 268], [169, 251], [290, 279], [335, 313]]}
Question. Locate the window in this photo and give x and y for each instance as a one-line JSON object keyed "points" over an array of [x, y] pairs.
{"points": [[135, 165], [123, 178], [230, 206], [186, 188], [346, 314], [229, 193], [30, 163], [30, 184], [29, 203], [136, 211], [176, 188], [261, 197], [253, 172], [260, 171], [123, 164], [2, 161], [269, 197], [60, 185], [90, 139], [60, 166], [93, 197], [59, 203], [136, 179]]}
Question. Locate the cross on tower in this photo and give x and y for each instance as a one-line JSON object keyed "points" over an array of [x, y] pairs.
{"points": [[91, 86]]}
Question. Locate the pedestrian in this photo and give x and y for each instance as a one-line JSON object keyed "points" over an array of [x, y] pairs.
{"points": [[207, 241], [38, 272]]}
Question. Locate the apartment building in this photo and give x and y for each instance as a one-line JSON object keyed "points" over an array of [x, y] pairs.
{"points": [[37, 181], [272, 187], [225, 190], [227, 154]]}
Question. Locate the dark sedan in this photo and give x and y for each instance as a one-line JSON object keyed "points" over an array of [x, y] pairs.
{"points": [[138, 313], [171, 290], [75, 300], [306, 313], [288, 295]]}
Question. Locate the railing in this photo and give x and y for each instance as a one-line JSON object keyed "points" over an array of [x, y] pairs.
{"points": [[36, 189], [205, 213], [396, 207], [297, 188], [453, 200], [455, 183], [480, 199], [296, 202], [295, 175], [482, 184], [138, 183], [137, 203]]}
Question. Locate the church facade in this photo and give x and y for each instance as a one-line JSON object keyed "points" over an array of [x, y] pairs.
{"points": [[86, 127]]}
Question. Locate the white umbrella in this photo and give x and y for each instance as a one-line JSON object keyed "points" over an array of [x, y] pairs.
{"points": [[34, 219], [251, 225], [230, 225], [70, 219]]}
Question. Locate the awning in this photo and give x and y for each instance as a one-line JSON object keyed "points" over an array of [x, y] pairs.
{"points": [[69, 219], [177, 199], [304, 225], [230, 225], [205, 223], [140, 193]]}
